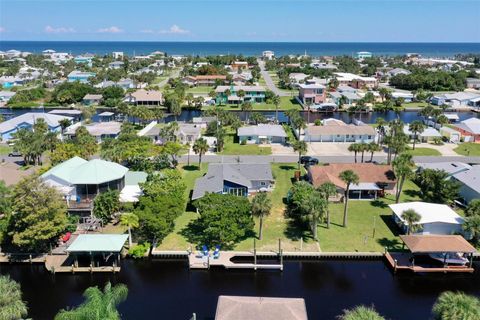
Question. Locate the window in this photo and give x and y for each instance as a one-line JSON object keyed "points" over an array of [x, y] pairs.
{"points": [[263, 183]]}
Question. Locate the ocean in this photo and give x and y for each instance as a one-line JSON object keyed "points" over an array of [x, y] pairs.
{"points": [[244, 48]]}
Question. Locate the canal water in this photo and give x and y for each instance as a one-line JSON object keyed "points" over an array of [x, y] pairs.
{"points": [[160, 289], [371, 117]]}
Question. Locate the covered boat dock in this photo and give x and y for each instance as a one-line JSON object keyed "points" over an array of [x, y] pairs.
{"points": [[423, 247]]}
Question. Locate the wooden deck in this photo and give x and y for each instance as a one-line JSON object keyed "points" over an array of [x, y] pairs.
{"points": [[198, 261], [401, 261], [61, 264]]}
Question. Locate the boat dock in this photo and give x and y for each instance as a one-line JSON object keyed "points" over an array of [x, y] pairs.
{"points": [[63, 263], [401, 262], [199, 261]]}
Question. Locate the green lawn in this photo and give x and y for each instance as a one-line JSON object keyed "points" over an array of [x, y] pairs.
{"points": [[414, 105], [235, 148], [358, 236], [468, 149], [286, 103], [5, 149], [424, 152]]}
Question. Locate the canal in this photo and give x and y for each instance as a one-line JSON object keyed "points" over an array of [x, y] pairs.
{"points": [[160, 289]]}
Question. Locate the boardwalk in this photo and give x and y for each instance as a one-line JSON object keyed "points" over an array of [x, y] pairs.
{"points": [[198, 261], [63, 264]]}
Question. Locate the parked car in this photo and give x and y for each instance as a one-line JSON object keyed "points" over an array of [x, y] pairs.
{"points": [[308, 161], [14, 154]]}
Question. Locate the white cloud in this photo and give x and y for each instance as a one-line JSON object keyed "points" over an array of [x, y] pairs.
{"points": [[147, 31], [174, 30], [111, 29], [50, 29], [2, 29]]}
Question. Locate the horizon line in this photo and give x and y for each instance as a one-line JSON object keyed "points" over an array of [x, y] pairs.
{"points": [[254, 41]]}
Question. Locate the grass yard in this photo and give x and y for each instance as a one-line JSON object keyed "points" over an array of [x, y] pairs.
{"points": [[424, 152], [468, 149], [5, 149], [414, 105], [286, 103], [235, 148]]}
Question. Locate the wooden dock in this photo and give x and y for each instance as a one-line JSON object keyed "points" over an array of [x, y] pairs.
{"points": [[401, 262], [198, 261], [61, 264]]}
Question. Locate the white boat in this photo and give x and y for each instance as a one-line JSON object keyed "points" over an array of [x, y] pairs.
{"points": [[449, 258]]}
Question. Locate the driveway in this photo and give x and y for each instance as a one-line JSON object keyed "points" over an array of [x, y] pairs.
{"points": [[280, 149], [334, 149]]}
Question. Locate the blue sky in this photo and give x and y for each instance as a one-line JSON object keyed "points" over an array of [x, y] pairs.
{"points": [[242, 20]]}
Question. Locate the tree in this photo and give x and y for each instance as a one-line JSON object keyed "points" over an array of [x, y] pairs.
{"points": [[403, 168], [276, 102], [40, 215], [473, 208], [383, 92], [298, 123], [246, 107], [301, 148], [130, 220], [106, 204], [200, 147], [328, 190], [261, 206], [64, 124], [349, 177], [362, 148], [381, 126], [5, 198], [472, 227], [355, 148], [98, 305], [314, 208], [11, 305], [411, 218], [373, 147], [224, 219], [456, 306], [416, 127], [86, 143], [361, 313], [435, 186]]}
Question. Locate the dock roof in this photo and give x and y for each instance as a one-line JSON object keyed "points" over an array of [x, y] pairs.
{"points": [[437, 243], [98, 243]]}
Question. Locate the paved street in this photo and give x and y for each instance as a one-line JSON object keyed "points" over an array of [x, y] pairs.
{"points": [[268, 80]]}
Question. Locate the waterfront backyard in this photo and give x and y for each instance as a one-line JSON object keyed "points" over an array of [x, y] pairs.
{"points": [[363, 218]]}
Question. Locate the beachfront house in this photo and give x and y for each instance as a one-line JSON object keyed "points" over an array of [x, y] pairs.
{"points": [[310, 94], [434, 218], [470, 129], [27, 121], [240, 179], [333, 130], [469, 181], [374, 180], [144, 97], [261, 134], [230, 94], [363, 55], [268, 55], [80, 76]]}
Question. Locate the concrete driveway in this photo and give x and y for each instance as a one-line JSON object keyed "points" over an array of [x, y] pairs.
{"points": [[334, 149]]}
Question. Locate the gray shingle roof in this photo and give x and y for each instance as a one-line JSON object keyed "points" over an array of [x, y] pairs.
{"points": [[240, 173], [273, 130], [470, 178]]}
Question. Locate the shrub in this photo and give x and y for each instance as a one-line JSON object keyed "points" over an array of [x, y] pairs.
{"points": [[317, 122], [106, 204], [138, 251]]}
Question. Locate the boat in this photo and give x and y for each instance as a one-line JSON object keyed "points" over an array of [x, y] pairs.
{"points": [[449, 258]]}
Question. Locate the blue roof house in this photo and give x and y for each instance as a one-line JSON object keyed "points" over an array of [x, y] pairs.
{"points": [[27, 120]]}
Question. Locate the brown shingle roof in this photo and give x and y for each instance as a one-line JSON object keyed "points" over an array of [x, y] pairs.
{"points": [[144, 95], [210, 77], [437, 243], [367, 173]]}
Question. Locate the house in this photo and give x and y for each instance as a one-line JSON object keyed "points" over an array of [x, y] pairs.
{"points": [[262, 134], [239, 65], [6, 95], [311, 93], [188, 132], [406, 96], [80, 181], [260, 308], [100, 130], [473, 83], [356, 81], [203, 121], [398, 71], [363, 55], [230, 94], [205, 80], [117, 55], [145, 98], [11, 81], [126, 84], [348, 98], [268, 55], [434, 218], [90, 99], [26, 121], [339, 131], [80, 76], [75, 114], [451, 168], [428, 134], [374, 179], [457, 99], [452, 135], [241, 179], [116, 65], [470, 129], [469, 183], [84, 59]]}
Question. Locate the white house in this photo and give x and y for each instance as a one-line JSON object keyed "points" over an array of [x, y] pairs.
{"points": [[434, 218], [262, 133]]}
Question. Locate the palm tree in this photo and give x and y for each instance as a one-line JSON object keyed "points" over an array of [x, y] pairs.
{"points": [[403, 167], [299, 123], [355, 148], [11, 305], [246, 107], [291, 113], [456, 306], [381, 125], [349, 177], [130, 220], [362, 148], [372, 148], [200, 147], [442, 119], [411, 217], [315, 207], [98, 305], [416, 127], [426, 111], [328, 189], [360, 313], [383, 92], [261, 206], [276, 101], [472, 227], [176, 108], [241, 94], [64, 124], [301, 148]]}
